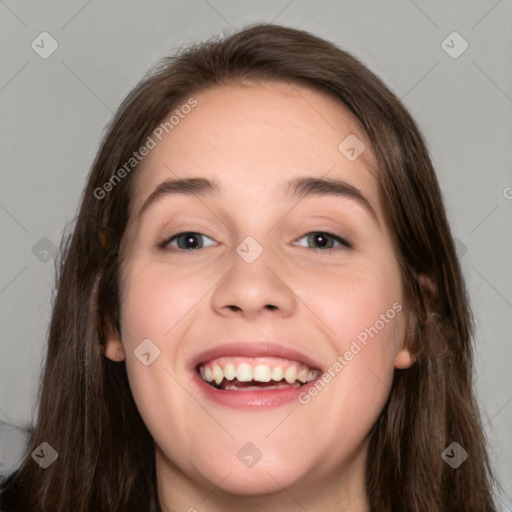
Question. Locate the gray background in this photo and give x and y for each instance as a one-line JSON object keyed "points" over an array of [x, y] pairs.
{"points": [[54, 112]]}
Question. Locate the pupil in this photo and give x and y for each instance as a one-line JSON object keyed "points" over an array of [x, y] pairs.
{"points": [[190, 238], [320, 239]]}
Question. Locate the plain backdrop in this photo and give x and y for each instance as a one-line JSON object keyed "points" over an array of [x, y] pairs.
{"points": [[55, 107]]}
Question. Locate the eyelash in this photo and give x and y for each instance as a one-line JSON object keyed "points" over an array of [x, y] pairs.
{"points": [[344, 243]]}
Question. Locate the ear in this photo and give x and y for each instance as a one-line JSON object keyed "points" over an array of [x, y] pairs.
{"points": [[404, 358], [113, 347]]}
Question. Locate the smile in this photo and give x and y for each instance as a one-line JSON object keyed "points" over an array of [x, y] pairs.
{"points": [[256, 373]]}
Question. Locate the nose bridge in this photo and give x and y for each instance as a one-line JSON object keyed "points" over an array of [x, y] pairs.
{"points": [[255, 282]]}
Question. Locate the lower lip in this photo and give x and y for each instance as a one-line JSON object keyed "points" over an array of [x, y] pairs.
{"points": [[264, 399]]}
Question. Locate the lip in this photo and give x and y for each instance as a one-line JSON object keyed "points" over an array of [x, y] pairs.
{"points": [[251, 400], [253, 349]]}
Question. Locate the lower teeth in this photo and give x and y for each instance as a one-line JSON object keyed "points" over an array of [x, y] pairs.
{"points": [[246, 386]]}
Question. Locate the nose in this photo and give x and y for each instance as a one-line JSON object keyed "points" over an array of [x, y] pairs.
{"points": [[253, 289]]}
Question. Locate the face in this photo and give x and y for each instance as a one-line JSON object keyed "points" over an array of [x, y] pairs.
{"points": [[290, 303]]}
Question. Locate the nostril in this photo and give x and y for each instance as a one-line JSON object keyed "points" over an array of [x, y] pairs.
{"points": [[237, 308]]}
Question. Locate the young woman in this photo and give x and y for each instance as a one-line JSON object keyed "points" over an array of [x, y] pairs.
{"points": [[260, 307]]}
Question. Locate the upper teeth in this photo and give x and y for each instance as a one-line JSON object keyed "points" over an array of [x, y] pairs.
{"points": [[254, 370]]}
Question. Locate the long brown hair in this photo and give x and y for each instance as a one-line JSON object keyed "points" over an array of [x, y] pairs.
{"points": [[86, 410]]}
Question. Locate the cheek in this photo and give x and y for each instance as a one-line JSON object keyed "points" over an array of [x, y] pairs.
{"points": [[153, 306], [155, 303], [358, 302], [360, 312], [362, 315]]}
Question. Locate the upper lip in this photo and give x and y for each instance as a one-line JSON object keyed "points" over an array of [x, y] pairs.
{"points": [[253, 349]]}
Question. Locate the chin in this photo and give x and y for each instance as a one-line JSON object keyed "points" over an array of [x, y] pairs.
{"points": [[261, 479]]}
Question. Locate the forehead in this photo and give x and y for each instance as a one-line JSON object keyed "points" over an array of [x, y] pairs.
{"points": [[253, 137]]}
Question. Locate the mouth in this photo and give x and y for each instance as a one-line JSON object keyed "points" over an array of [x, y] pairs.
{"points": [[253, 375], [237, 373]]}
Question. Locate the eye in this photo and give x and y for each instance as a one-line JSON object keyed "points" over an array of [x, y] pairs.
{"points": [[187, 240], [191, 240], [325, 240]]}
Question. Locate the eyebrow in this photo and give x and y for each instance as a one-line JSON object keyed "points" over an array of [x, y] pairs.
{"points": [[297, 188]]}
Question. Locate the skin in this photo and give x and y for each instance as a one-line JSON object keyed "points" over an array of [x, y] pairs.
{"points": [[251, 137]]}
